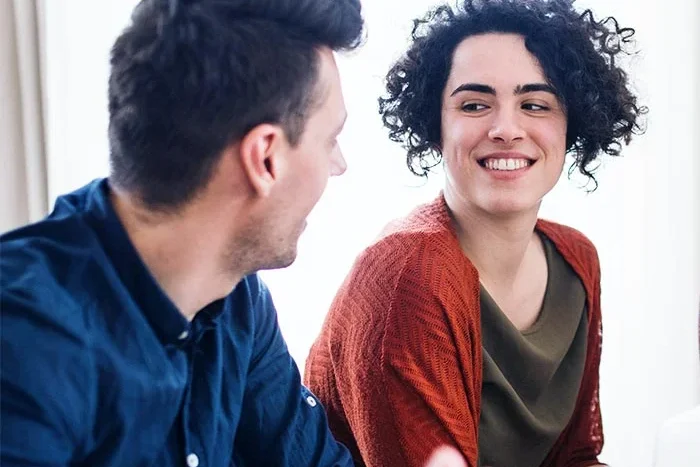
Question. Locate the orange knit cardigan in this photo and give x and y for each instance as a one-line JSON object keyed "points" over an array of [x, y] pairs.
{"points": [[398, 363]]}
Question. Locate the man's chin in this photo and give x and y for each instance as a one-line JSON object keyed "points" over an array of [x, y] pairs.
{"points": [[285, 263], [281, 261]]}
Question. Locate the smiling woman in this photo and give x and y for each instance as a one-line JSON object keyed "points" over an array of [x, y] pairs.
{"points": [[503, 135], [480, 322]]}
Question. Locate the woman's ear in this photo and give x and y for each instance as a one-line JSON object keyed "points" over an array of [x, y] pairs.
{"points": [[262, 153]]}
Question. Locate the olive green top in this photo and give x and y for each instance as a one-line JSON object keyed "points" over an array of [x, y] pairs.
{"points": [[531, 378]]}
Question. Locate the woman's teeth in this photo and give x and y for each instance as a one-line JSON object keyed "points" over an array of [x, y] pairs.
{"points": [[506, 164]]}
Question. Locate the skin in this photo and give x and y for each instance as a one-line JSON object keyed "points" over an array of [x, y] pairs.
{"points": [[252, 211], [446, 457], [498, 110]]}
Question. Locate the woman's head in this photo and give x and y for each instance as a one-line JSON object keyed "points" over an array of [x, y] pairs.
{"points": [[463, 92]]}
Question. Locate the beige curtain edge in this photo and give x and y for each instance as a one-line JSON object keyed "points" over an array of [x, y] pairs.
{"points": [[29, 27]]}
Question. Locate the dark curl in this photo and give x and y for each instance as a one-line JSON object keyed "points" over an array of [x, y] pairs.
{"points": [[577, 54]]}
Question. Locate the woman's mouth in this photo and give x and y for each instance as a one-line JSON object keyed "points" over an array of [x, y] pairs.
{"points": [[509, 164]]}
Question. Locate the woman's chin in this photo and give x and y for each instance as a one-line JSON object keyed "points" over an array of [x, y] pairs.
{"points": [[510, 206]]}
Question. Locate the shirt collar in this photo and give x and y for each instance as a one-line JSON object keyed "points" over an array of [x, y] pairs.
{"points": [[169, 324]]}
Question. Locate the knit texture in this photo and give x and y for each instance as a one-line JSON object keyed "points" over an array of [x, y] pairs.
{"points": [[398, 363]]}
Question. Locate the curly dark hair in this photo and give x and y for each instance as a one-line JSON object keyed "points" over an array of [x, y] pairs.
{"points": [[577, 54], [189, 77]]}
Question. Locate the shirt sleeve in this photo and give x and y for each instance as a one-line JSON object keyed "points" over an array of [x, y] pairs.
{"points": [[45, 373], [282, 422]]}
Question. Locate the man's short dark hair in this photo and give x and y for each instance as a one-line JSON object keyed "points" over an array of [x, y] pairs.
{"points": [[190, 77]]}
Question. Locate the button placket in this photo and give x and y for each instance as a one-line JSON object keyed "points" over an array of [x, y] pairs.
{"points": [[192, 460], [196, 453]]}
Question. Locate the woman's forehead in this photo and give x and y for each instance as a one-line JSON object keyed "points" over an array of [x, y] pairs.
{"points": [[495, 59]]}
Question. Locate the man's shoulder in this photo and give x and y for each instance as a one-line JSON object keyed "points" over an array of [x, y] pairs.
{"points": [[44, 317], [45, 275], [64, 237], [48, 252], [49, 368]]}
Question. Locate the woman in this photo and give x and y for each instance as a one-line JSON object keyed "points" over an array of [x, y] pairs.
{"points": [[471, 322]]}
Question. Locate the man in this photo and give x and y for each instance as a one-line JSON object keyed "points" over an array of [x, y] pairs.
{"points": [[134, 329]]}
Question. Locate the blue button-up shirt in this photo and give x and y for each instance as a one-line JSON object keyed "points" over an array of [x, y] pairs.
{"points": [[99, 368]]}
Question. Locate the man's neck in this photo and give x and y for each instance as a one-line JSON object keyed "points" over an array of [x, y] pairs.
{"points": [[182, 251]]}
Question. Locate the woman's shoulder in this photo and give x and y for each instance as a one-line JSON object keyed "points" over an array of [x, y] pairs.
{"points": [[421, 241], [576, 249], [418, 248], [428, 218], [567, 238]]}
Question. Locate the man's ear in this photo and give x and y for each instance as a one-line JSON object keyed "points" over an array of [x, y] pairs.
{"points": [[262, 156]]}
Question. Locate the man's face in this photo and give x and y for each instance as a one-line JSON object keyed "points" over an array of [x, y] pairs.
{"points": [[315, 158]]}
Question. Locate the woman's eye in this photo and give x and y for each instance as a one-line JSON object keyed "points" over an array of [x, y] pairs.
{"points": [[473, 107], [535, 107]]}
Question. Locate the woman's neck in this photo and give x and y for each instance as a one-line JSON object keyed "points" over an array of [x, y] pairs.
{"points": [[496, 245]]}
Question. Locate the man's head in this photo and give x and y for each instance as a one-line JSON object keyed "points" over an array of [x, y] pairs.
{"points": [[205, 91], [287, 179]]}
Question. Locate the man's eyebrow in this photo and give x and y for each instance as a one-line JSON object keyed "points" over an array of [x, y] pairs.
{"points": [[534, 87], [475, 87]]}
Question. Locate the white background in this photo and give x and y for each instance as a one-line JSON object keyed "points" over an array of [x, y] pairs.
{"points": [[644, 218]]}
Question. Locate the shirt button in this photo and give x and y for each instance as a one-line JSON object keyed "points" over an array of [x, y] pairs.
{"points": [[192, 460], [184, 335], [311, 401]]}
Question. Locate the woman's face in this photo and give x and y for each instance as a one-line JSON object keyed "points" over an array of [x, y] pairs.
{"points": [[503, 127]]}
